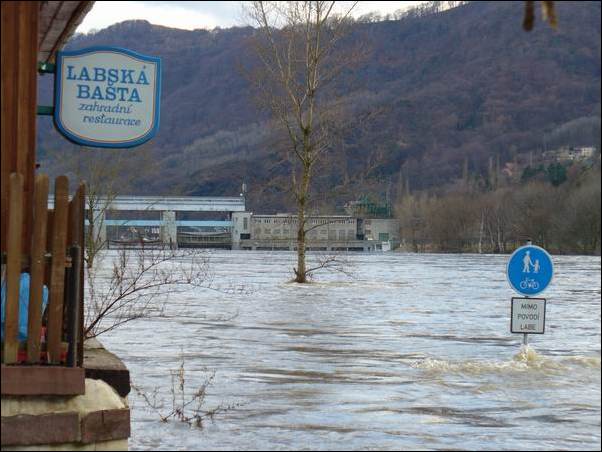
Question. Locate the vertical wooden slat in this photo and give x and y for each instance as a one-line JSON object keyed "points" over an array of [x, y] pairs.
{"points": [[76, 217], [57, 273], [13, 268], [73, 281], [8, 117], [73, 333], [49, 228], [82, 281], [27, 108], [38, 250], [49, 236], [78, 232]]}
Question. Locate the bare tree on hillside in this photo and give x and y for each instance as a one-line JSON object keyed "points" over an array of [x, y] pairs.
{"points": [[297, 47]]}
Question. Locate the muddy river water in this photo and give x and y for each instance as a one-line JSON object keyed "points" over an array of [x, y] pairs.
{"points": [[410, 352]]}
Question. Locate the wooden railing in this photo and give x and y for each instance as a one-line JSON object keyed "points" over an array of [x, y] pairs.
{"points": [[55, 260]]}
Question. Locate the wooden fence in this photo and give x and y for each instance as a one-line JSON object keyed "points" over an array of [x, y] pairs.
{"points": [[54, 338]]}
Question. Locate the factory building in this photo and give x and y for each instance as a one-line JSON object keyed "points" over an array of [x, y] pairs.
{"points": [[323, 232]]}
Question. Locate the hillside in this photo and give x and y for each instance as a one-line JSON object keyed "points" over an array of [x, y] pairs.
{"points": [[435, 94]]}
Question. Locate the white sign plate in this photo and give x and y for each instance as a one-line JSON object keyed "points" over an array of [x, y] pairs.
{"points": [[107, 96], [528, 315]]}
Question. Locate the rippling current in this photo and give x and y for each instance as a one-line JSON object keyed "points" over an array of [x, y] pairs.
{"points": [[410, 352]]}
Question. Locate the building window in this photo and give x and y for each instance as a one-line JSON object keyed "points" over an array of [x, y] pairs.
{"points": [[245, 223]]}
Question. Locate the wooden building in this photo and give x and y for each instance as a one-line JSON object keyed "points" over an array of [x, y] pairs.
{"points": [[32, 32], [43, 369]]}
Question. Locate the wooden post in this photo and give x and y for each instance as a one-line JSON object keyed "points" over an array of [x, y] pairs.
{"points": [[76, 246], [13, 268], [49, 236], [18, 99], [38, 265], [8, 118], [73, 335], [82, 245], [57, 275], [27, 80]]}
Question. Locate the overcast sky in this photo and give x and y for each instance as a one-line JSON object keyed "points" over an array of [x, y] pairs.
{"points": [[191, 15]]}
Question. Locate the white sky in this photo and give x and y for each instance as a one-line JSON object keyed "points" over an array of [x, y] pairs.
{"points": [[203, 14]]}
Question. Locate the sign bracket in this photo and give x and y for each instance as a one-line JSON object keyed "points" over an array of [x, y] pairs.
{"points": [[45, 110], [46, 68]]}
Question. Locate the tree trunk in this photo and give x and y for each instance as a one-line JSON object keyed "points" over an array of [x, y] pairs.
{"points": [[500, 242], [481, 233], [300, 270]]}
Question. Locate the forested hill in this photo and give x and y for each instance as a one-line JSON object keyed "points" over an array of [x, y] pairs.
{"points": [[437, 95]]}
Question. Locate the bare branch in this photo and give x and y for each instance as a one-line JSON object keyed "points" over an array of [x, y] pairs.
{"points": [[186, 407]]}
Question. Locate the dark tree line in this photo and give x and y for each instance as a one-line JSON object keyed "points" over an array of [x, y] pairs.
{"points": [[564, 218]]}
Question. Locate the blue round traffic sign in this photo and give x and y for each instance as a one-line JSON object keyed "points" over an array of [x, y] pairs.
{"points": [[530, 270]]}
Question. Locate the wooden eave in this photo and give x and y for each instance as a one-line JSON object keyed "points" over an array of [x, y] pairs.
{"points": [[57, 22]]}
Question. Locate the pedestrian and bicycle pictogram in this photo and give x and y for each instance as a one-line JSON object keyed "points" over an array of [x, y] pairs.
{"points": [[530, 270]]}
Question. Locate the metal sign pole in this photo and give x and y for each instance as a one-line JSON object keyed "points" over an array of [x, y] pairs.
{"points": [[526, 336]]}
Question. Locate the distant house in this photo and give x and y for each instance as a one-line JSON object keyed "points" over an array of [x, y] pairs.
{"points": [[570, 153], [509, 169]]}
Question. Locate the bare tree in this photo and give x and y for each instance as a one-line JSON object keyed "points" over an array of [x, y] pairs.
{"points": [[548, 12], [297, 48], [186, 406], [578, 227], [138, 284], [411, 211], [101, 175], [107, 174]]}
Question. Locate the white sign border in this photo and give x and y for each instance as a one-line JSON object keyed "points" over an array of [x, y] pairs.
{"points": [[545, 307], [96, 143]]}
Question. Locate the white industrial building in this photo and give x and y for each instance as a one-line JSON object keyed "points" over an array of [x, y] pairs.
{"points": [[324, 232]]}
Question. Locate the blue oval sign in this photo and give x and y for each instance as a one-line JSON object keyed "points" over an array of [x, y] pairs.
{"points": [[530, 270], [107, 96]]}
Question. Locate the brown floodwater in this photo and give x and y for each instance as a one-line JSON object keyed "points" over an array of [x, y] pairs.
{"points": [[411, 352]]}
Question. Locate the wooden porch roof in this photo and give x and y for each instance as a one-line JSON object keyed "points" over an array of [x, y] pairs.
{"points": [[57, 22]]}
